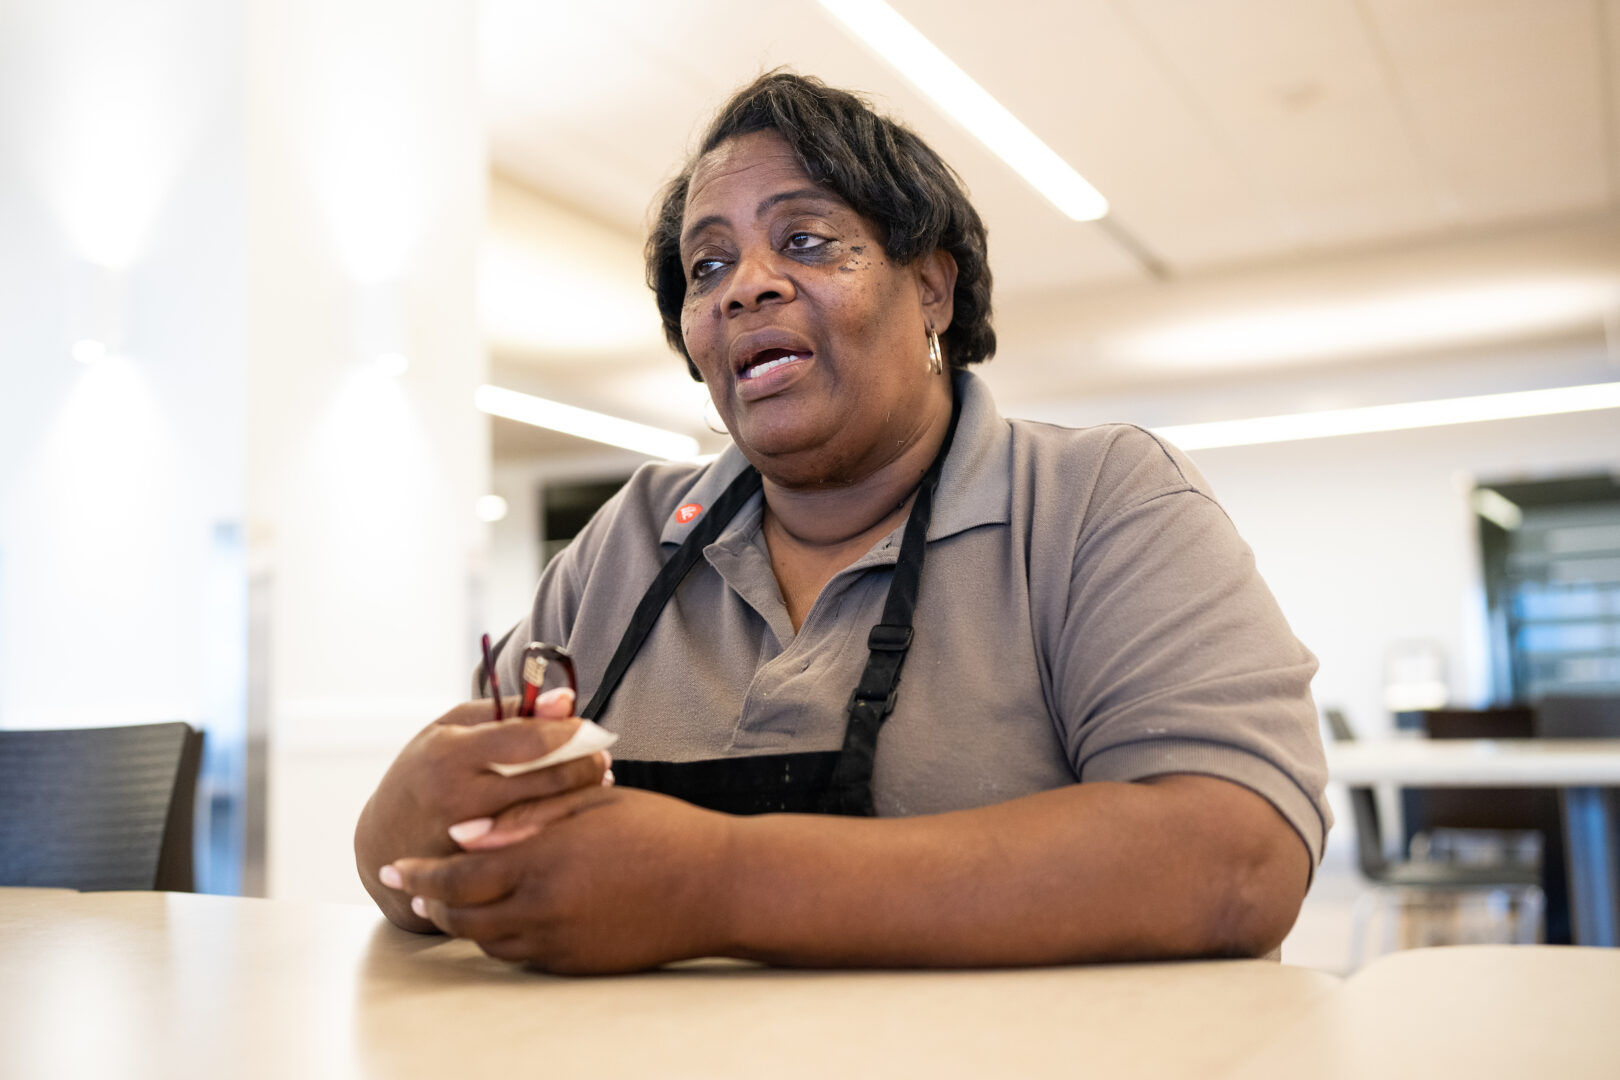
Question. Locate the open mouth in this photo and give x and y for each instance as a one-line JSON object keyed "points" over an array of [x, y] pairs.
{"points": [[769, 360]]}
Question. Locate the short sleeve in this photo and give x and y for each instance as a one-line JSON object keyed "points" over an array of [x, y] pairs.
{"points": [[1174, 656]]}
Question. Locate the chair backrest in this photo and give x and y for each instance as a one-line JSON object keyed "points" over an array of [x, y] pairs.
{"points": [[1511, 809], [1363, 807], [1338, 725], [1502, 722], [1369, 833], [1571, 717], [99, 808]]}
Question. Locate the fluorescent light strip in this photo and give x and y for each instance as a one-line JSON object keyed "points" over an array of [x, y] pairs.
{"points": [[1402, 417], [966, 102], [570, 420]]}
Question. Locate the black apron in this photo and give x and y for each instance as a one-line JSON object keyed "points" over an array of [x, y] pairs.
{"points": [[829, 781]]}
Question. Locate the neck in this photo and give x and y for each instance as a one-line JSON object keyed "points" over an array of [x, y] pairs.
{"points": [[831, 515]]}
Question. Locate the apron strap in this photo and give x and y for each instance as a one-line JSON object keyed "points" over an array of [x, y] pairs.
{"points": [[670, 575], [835, 782], [850, 790]]}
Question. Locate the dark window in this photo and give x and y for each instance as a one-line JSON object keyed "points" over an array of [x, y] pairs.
{"points": [[566, 506], [1552, 583]]}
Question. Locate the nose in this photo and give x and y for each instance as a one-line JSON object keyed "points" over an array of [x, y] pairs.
{"points": [[758, 279]]}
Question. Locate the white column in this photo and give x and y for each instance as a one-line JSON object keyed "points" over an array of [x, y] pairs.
{"points": [[120, 225], [246, 202], [366, 181]]}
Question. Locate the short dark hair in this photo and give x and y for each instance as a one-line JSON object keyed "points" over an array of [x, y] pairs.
{"points": [[878, 166]]}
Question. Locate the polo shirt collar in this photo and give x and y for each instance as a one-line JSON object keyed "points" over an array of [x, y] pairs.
{"points": [[711, 483], [975, 487]]}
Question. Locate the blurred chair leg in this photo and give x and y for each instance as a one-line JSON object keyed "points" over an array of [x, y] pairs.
{"points": [[1395, 919], [1358, 926], [1532, 908], [1594, 890]]}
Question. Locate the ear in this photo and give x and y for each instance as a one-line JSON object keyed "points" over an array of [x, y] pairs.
{"points": [[936, 287]]}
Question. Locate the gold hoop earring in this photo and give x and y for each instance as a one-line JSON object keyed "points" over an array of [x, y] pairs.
{"points": [[936, 356], [708, 408]]}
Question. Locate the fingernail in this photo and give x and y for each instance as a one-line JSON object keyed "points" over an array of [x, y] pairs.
{"points": [[463, 831], [419, 906], [552, 696], [607, 778], [390, 877]]}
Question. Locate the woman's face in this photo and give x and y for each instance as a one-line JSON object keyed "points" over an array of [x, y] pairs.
{"points": [[812, 343]]}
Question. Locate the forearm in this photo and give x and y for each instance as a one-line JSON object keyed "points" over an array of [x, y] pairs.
{"points": [[1187, 866]]}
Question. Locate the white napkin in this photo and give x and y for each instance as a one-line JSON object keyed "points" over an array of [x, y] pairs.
{"points": [[587, 739]]}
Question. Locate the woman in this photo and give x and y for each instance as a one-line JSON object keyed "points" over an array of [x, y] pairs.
{"points": [[1067, 606]]}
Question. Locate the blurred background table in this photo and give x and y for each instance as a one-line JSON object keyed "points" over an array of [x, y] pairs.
{"points": [[1584, 769]]}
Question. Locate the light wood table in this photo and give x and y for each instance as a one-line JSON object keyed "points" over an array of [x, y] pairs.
{"points": [[1473, 1012], [166, 985], [1585, 770]]}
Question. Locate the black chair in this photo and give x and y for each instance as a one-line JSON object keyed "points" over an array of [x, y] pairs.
{"points": [[1405, 881], [99, 808], [1489, 823]]}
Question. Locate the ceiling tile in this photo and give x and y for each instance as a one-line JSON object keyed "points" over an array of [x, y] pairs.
{"points": [[1507, 99], [1611, 70], [1296, 89]]}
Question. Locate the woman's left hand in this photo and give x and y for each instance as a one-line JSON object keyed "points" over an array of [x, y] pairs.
{"points": [[611, 880]]}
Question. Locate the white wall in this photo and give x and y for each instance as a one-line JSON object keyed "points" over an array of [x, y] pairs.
{"points": [[1369, 541], [120, 173]]}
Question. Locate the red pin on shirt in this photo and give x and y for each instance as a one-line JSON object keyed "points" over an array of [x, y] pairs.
{"points": [[686, 513]]}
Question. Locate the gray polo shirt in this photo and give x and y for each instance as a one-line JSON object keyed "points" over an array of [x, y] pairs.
{"points": [[1087, 612]]}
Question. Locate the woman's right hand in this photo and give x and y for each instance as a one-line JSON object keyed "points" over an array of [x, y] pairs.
{"points": [[442, 778]]}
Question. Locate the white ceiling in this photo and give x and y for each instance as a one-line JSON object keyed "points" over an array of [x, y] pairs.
{"points": [[1244, 144]]}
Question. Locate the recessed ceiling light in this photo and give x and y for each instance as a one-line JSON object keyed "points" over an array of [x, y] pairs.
{"points": [[393, 364], [490, 508]]}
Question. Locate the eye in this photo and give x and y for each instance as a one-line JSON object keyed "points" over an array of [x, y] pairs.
{"points": [[803, 241], [702, 268]]}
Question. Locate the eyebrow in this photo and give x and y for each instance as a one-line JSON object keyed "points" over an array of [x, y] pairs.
{"points": [[759, 211]]}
